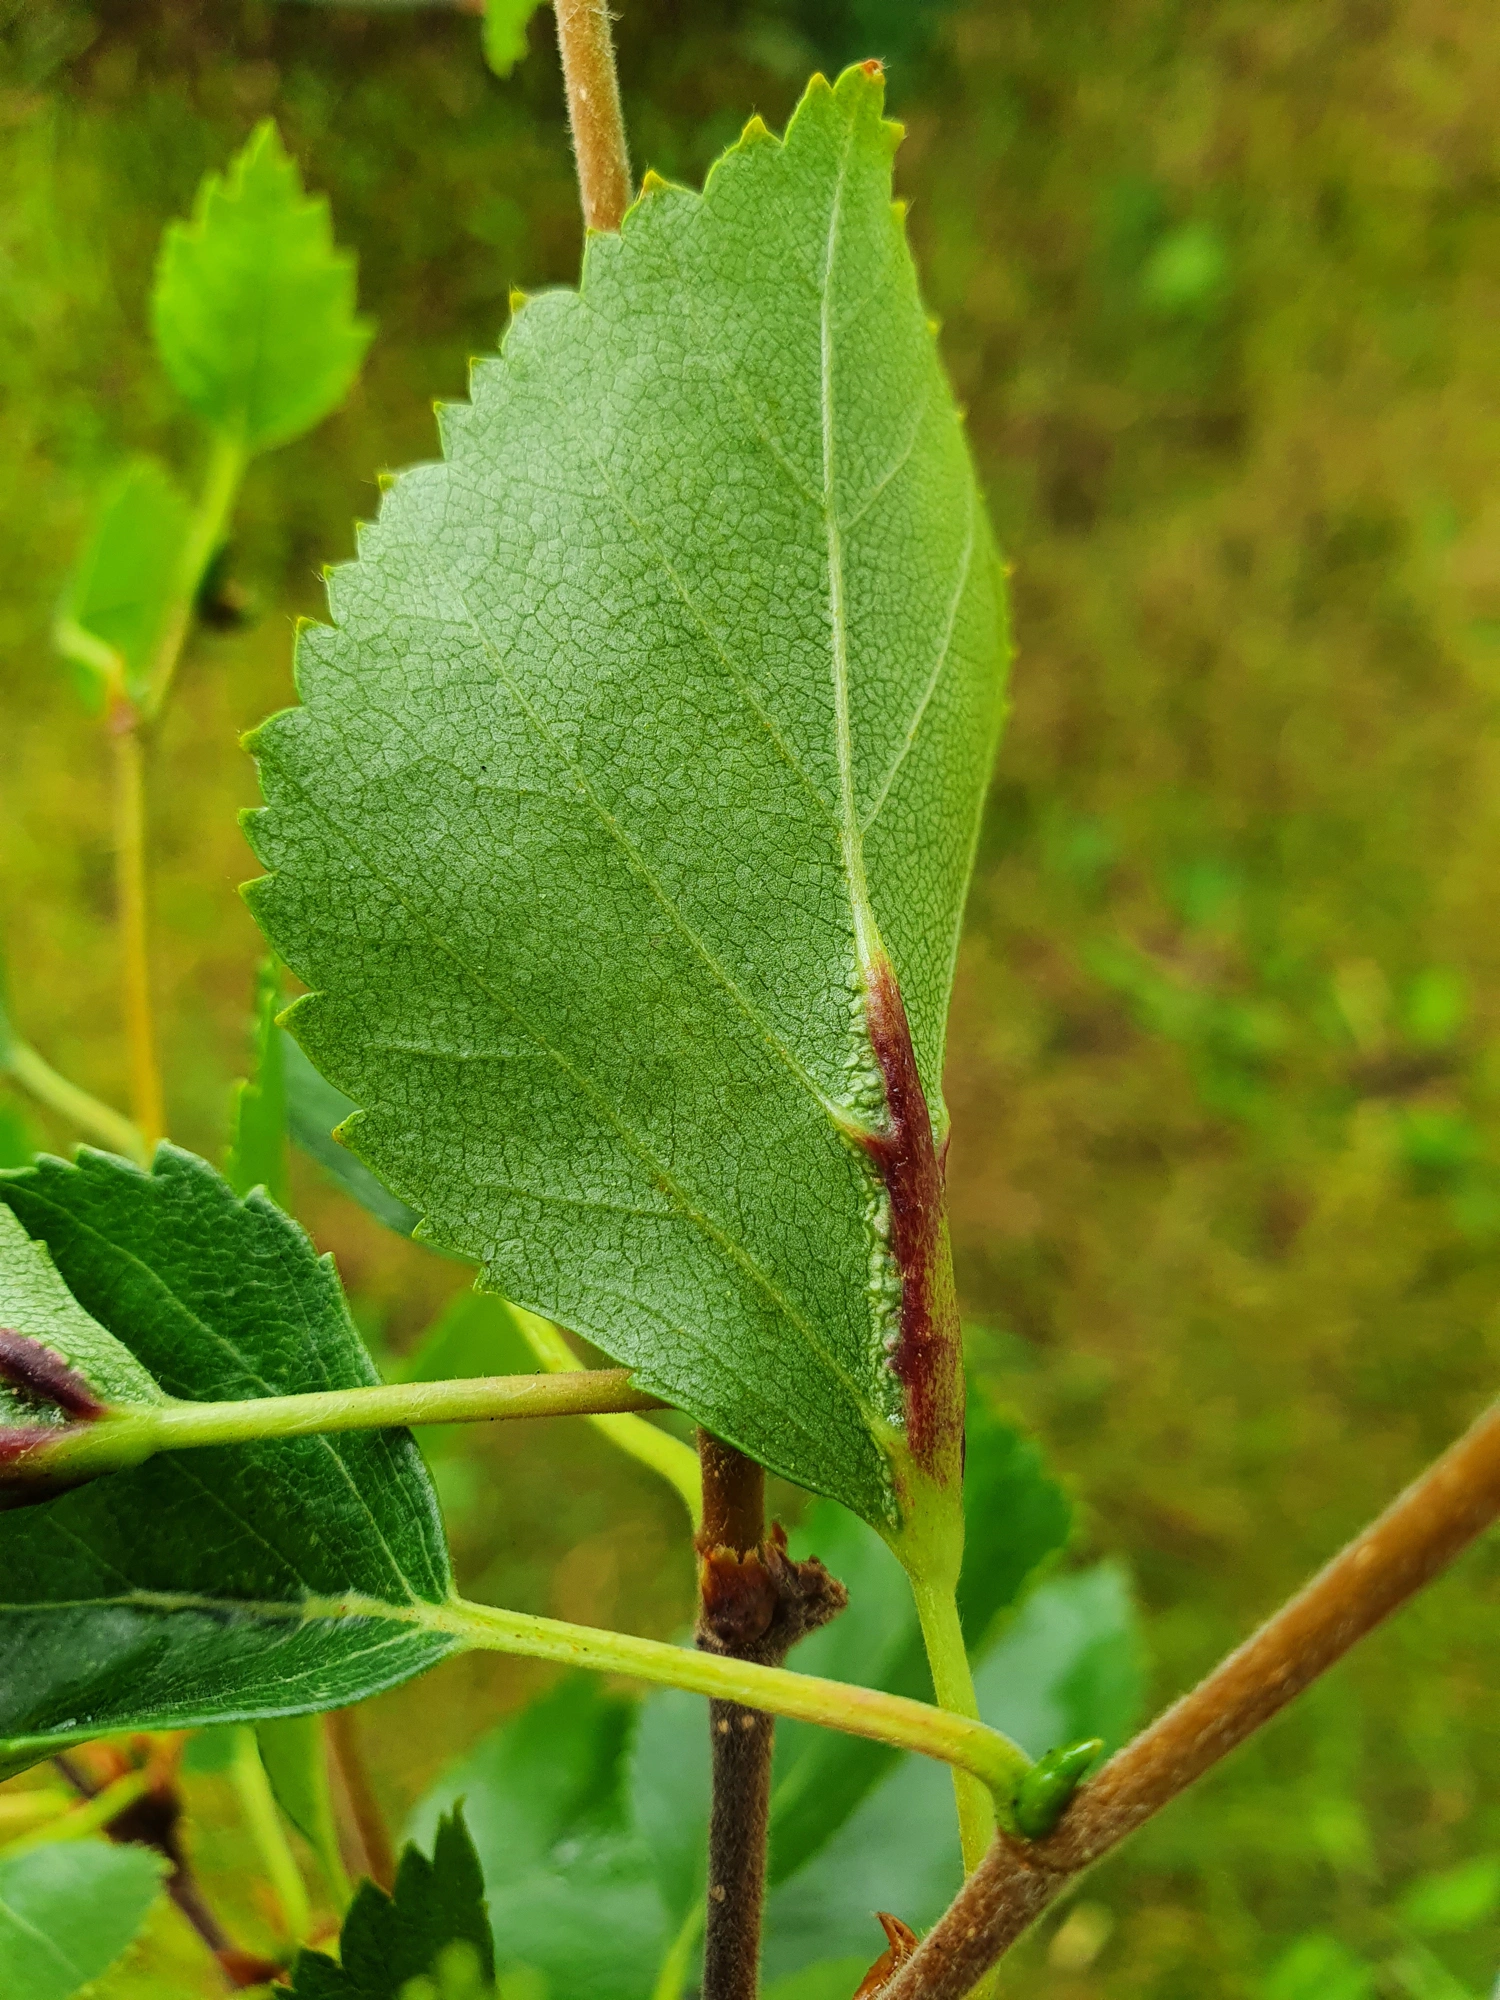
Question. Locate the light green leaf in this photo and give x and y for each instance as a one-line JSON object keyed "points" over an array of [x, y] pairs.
{"points": [[67, 1911], [258, 1130], [253, 308], [314, 1109], [179, 1593], [35, 1303], [121, 593], [505, 25], [1319, 1968], [1455, 1900], [388, 1941], [293, 1752], [648, 718]]}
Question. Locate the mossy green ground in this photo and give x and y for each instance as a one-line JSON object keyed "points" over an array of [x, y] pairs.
{"points": [[1219, 287]]}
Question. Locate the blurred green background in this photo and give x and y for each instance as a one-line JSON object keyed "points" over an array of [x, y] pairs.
{"points": [[1220, 287]]}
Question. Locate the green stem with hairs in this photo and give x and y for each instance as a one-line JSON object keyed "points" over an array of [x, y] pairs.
{"points": [[959, 1740], [658, 1450], [210, 523], [130, 1434], [953, 1685]]}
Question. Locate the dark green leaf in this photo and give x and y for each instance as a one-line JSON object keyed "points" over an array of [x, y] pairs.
{"points": [[254, 307], [572, 1890], [36, 1303], [388, 1940], [258, 1133], [130, 572], [646, 715], [178, 1593], [505, 24], [314, 1108], [1016, 1516], [67, 1911], [1069, 1666]]}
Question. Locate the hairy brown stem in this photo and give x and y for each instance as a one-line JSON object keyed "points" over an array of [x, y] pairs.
{"points": [[1412, 1542], [736, 1606], [753, 1604], [588, 59], [359, 1793]]}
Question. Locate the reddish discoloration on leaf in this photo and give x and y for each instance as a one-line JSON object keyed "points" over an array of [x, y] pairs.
{"points": [[27, 1364], [903, 1942], [926, 1358]]}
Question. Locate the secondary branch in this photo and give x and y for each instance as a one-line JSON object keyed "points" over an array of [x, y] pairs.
{"points": [[1416, 1538]]}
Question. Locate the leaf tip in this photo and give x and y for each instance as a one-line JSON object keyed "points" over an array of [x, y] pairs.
{"points": [[652, 182]]}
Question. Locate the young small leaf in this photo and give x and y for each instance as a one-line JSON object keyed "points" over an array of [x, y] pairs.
{"points": [[184, 1592], [505, 25], [390, 1940], [253, 307], [258, 1133], [651, 736], [67, 1911], [121, 592]]}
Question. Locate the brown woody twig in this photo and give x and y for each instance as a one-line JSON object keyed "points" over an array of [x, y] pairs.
{"points": [[1411, 1543], [753, 1604]]}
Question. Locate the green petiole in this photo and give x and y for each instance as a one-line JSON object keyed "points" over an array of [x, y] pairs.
{"points": [[129, 1435]]}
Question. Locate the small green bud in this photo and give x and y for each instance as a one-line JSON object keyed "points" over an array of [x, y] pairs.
{"points": [[1044, 1792]]}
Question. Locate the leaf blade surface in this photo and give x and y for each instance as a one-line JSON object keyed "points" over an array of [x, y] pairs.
{"points": [[689, 664], [184, 1592]]}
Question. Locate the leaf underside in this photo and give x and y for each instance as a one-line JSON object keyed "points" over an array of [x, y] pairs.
{"points": [[645, 717], [175, 1594]]}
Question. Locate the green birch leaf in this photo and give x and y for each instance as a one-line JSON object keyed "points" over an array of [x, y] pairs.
{"points": [[217, 1584], [505, 25], [35, 1303], [253, 307], [258, 1120], [653, 721], [390, 1940], [68, 1910], [121, 593], [314, 1108]]}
